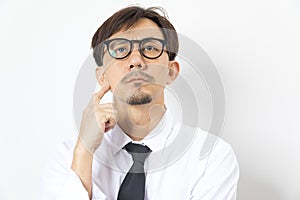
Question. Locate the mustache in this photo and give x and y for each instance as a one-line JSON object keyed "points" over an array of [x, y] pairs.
{"points": [[139, 74]]}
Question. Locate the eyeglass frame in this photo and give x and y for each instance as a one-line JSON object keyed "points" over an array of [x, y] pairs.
{"points": [[131, 42]]}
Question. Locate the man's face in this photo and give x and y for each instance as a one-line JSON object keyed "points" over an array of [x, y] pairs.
{"points": [[136, 79]]}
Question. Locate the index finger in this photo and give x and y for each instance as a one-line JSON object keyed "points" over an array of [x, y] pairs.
{"points": [[98, 95]]}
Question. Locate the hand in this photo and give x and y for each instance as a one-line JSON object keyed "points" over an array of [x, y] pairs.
{"points": [[96, 120]]}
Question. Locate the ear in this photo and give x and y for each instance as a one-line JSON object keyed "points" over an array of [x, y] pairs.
{"points": [[174, 69], [100, 76]]}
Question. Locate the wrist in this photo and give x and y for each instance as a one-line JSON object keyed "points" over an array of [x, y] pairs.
{"points": [[82, 161], [81, 149]]}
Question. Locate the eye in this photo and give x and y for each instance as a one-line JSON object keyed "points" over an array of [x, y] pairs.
{"points": [[150, 48], [121, 50]]}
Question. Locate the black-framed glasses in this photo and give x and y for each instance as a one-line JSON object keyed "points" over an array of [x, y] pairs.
{"points": [[120, 48]]}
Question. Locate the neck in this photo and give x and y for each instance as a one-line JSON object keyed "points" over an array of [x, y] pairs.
{"points": [[137, 121]]}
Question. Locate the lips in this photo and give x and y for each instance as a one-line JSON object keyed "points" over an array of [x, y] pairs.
{"points": [[136, 79]]}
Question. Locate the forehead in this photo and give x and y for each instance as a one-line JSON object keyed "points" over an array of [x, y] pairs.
{"points": [[144, 28]]}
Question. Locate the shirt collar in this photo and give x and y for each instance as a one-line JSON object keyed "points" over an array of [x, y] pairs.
{"points": [[155, 140]]}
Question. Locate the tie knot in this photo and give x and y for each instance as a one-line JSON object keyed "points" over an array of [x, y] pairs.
{"points": [[136, 148], [139, 152]]}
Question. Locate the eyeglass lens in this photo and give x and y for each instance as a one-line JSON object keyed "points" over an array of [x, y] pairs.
{"points": [[149, 47]]}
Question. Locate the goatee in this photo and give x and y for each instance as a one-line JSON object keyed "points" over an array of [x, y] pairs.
{"points": [[139, 99]]}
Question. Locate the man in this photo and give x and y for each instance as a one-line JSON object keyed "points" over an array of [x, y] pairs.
{"points": [[124, 150]]}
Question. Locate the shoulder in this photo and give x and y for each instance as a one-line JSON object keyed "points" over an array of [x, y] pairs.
{"points": [[206, 147], [212, 145], [202, 143], [217, 152], [219, 177]]}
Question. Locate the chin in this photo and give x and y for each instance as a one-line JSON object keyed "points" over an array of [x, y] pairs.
{"points": [[139, 99]]}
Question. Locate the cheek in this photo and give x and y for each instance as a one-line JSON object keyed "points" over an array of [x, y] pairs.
{"points": [[160, 69], [107, 59], [159, 73], [113, 77]]}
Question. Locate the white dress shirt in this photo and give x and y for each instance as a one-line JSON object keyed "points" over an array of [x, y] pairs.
{"points": [[174, 169]]}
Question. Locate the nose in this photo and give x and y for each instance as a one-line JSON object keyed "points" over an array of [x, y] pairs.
{"points": [[136, 60]]}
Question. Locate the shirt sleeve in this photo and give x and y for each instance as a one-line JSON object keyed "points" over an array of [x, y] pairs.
{"points": [[221, 176], [60, 182]]}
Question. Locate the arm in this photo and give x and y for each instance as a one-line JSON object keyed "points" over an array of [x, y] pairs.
{"points": [[68, 173], [82, 166], [96, 120]]}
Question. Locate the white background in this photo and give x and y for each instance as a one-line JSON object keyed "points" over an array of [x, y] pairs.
{"points": [[255, 46]]}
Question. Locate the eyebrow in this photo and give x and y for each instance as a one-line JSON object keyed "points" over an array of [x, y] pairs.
{"points": [[118, 43], [150, 36]]}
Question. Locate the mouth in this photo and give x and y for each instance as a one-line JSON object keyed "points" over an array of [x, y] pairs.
{"points": [[137, 77], [136, 80]]}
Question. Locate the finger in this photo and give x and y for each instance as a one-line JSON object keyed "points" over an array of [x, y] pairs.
{"points": [[104, 114], [110, 124], [104, 107], [106, 120], [98, 95]]}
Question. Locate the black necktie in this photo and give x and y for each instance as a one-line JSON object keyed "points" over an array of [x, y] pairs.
{"points": [[133, 185]]}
